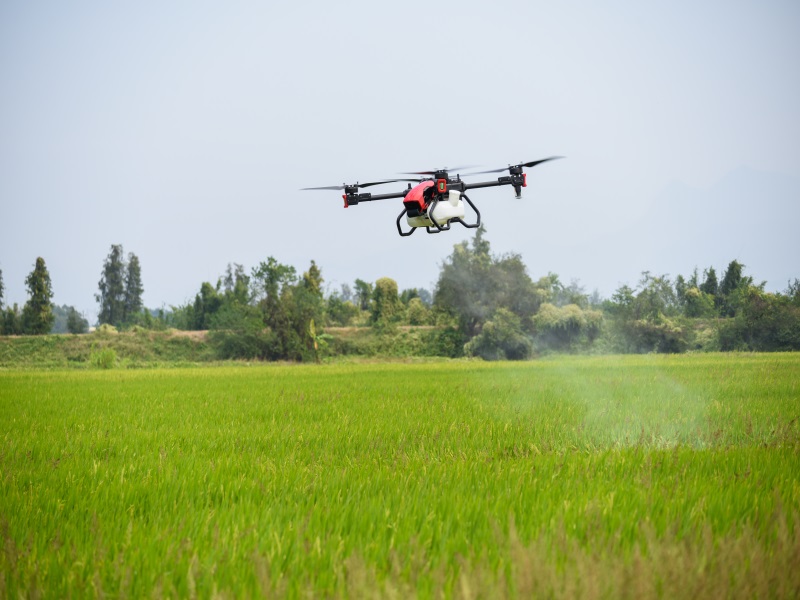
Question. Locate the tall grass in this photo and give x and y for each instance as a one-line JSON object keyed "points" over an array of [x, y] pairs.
{"points": [[572, 476]]}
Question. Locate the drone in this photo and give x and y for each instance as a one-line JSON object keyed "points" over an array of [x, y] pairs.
{"points": [[437, 199]]}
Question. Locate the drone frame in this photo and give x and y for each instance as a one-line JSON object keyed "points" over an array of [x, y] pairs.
{"points": [[425, 198]]}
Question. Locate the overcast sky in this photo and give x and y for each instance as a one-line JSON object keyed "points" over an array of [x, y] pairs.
{"points": [[184, 130]]}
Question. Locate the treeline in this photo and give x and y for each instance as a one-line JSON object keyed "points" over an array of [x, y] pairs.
{"points": [[119, 297], [502, 313], [483, 305]]}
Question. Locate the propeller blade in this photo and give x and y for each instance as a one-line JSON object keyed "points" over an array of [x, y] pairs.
{"points": [[533, 163], [358, 185], [448, 169]]}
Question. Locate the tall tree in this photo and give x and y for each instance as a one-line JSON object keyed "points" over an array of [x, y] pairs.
{"points": [[363, 293], [385, 302], [133, 288], [236, 284], [473, 285], [710, 285], [37, 314], [306, 310], [734, 285], [272, 282], [112, 288], [10, 321], [206, 304], [792, 292], [1, 288]]}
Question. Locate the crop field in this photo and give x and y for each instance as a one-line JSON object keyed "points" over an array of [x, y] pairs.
{"points": [[642, 476]]}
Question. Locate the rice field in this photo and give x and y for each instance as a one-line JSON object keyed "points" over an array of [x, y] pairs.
{"points": [[637, 476]]}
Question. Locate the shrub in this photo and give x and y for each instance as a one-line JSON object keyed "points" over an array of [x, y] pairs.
{"points": [[501, 338], [103, 358]]}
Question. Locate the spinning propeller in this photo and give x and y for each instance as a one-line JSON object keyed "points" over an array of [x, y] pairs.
{"points": [[442, 170], [356, 185], [533, 163]]}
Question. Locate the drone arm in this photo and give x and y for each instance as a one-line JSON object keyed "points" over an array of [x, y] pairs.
{"points": [[507, 180], [518, 180], [352, 199]]}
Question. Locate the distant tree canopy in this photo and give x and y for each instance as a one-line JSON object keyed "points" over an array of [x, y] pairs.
{"points": [[133, 288], [270, 314], [473, 284], [497, 305], [735, 314], [37, 314], [76, 322], [68, 320], [484, 305], [120, 289], [385, 306]]}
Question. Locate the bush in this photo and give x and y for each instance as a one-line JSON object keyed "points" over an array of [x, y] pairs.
{"points": [[443, 341], [238, 332], [104, 358], [501, 338], [566, 328]]}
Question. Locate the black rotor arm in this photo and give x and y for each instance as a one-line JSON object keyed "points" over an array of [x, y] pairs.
{"points": [[515, 179], [353, 198]]}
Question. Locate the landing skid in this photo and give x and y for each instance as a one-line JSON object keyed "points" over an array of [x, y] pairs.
{"points": [[439, 227]]}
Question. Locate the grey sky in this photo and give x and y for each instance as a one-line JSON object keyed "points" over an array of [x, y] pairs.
{"points": [[184, 130]]}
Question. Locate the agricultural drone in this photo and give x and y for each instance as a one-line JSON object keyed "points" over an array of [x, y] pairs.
{"points": [[438, 198]]}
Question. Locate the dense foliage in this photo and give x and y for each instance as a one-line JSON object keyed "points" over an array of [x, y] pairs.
{"points": [[120, 289], [483, 305]]}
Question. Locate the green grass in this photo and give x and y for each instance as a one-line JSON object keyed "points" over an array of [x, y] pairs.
{"points": [[132, 349], [613, 476]]}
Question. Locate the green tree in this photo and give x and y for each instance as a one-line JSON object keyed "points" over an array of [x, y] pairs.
{"points": [[681, 287], [765, 322], [473, 285], [647, 319], [206, 304], [2, 289], [698, 304], [133, 289], [417, 313], [500, 338], [236, 331], [710, 285], [655, 296], [11, 322], [271, 282], [76, 323], [306, 308], [733, 287], [37, 314], [792, 292], [339, 310], [409, 294], [236, 284], [566, 328], [385, 306], [363, 293], [112, 288]]}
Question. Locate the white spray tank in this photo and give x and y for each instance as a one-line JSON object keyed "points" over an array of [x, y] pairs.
{"points": [[443, 212]]}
